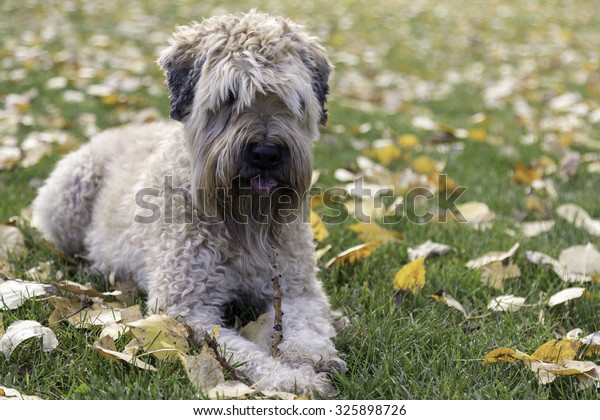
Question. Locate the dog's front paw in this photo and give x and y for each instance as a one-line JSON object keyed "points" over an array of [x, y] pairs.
{"points": [[330, 365], [321, 354]]}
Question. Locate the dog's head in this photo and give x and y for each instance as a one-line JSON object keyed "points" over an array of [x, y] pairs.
{"points": [[251, 92]]}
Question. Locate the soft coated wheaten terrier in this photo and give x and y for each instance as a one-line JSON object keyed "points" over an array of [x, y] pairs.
{"points": [[203, 211]]}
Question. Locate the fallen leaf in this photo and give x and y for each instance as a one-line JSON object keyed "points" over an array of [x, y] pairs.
{"points": [[424, 165], [533, 229], [445, 297], [475, 214], [506, 303], [94, 316], [82, 290], [384, 155], [429, 249], [160, 334], [372, 231], [319, 230], [554, 351], [13, 394], [203, 370], [565, 295], [407, 141], [12, 242], [579, 217], [547, 372], [505, 354], [491, 257], [354, 254], [592, 342], [581, 259], [230, 390], [496, 272], [525, 174], [10, 156], [20, 331], [410, 278], [106, 348], [319, 253], [14, 293], [539, 258]]}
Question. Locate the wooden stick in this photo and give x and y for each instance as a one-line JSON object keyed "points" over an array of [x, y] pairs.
{"points": [[213, 345], [278, 319]]}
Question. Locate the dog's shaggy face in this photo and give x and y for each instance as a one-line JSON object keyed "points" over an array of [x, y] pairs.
{"points": [[251, 92]]}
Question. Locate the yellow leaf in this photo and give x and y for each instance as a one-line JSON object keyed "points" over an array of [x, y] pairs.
{"points": [[354, 254], [384, 155], [478, 135], [505, 354], [525, 174], [372, 232], [424, 165], [554, 351], [407, 141], [411, 277], [319, 230], [160, 334]]}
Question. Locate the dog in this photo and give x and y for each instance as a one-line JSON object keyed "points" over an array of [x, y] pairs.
{"points": [[205, 209]]}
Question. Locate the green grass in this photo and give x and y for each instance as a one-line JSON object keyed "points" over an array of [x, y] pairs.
{"points": [[419, 349]]}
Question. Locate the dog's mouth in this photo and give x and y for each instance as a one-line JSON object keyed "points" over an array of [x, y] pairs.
{"points": [[263, 185]]}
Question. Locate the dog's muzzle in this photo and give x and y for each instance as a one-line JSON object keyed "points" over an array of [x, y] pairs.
{"points": [[264, 158]]}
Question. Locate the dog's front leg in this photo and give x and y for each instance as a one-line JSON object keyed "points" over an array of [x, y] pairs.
{"points": [[308, 333], [258, 366]]}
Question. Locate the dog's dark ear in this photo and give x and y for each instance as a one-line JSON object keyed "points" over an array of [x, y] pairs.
{"points": [[320, 68], [182, 76]]}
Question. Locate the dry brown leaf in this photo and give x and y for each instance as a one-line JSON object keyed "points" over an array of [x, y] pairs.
{"points": [[554, 351], [82, 290], [495, 273], [581, 259], [319, 253], [429, 249], [574, 214], [566, 295], [507, 303], [526, 175], [12, 242], [505, 354], [354, 254], [19, 331], [533, 229], [160, 334], [445, 297], [106, 348], [14, 293], [475, 214], [203, 370], [491, 257], [13, 394]]}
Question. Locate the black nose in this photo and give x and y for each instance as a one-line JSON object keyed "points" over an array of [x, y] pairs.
{"points": [[264, 157]]}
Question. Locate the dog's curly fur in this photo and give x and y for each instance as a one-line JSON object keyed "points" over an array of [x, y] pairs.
{"points": [[234, 82]]}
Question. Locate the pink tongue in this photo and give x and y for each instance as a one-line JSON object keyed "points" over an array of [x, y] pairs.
{"points": [[263, 186]]}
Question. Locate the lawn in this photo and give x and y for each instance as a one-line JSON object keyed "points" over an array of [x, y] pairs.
{"points": [[499, 95]]}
